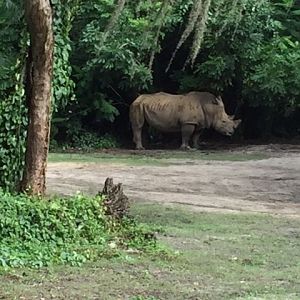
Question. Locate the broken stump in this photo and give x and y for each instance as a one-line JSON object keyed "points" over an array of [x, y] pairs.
{"points": [[115, 201]]}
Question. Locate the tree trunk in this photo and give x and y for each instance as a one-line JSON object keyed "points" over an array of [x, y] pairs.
{"points": [[38, 92]]}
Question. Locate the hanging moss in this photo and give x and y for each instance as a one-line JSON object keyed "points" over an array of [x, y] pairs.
{"points": [[199, 32], [114, 19], [192, 20], [231, 15], [198, 18], [218, 8], [160, 20]]}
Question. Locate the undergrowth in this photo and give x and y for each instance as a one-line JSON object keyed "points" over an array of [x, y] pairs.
{"points": [[85, 141], [36, 232]]}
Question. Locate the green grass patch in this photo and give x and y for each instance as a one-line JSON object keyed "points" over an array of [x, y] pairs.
{"points": [[220, 256], [231, 256], [36, 232], [106, 158], [152, 158]]}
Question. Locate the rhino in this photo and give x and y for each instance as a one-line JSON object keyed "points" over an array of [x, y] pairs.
{"points": [[189, 114]]}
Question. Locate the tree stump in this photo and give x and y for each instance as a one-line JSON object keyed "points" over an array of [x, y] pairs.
{"points": [[115, 202]]}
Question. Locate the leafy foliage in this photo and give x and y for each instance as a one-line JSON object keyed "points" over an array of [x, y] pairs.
{"points": [[287, 13], [249, 53], [63, 85], [36, 233], [76, 136], [13, 122], [13, 110], [110, 69], [275, 75], [120, 61], [13, 118], [251, 62], [88, 140], [228, 47]]}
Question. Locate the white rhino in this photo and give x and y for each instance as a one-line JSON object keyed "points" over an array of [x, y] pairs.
{"points": [[188, 114]]}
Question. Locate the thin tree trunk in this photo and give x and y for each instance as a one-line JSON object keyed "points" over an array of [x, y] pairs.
{"points": [[38, 92]]}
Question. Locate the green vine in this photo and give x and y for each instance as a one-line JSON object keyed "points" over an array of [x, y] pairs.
{"points": [[13, 117], [13, 111], [63, 86]]}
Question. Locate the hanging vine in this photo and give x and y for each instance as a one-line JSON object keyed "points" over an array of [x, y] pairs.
{"points": [[114, 19], [13, 53], [192, 20], [231, 11], [159, 22], [64, 13], [13, 115], [199, 33]]}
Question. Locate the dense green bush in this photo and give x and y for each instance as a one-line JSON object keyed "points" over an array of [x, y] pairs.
{"points": [[254, 64], [249, 55], [13, 107], [13, 113], [37, 232], [86, 141]]}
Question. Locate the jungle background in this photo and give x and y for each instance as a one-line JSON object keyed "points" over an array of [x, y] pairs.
{"points": [[107, 53], [249, 54], [217, 223]]}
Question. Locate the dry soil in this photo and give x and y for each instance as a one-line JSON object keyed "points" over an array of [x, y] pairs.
{"points": [[269, 185]]}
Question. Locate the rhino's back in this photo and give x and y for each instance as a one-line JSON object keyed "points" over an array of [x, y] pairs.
{"points": [[167, 112]]}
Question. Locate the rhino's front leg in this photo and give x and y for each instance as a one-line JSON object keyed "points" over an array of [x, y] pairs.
{"points": [[196, 137], [186, 132]]}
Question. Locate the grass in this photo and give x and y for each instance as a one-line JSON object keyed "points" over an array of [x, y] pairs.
{"points": [[221, 256], [160, 158], [106, 158]]}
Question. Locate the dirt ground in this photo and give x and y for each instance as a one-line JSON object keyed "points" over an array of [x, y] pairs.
{"points": [[269, 185]]}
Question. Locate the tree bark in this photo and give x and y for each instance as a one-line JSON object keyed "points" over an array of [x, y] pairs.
{"points": [[38, 92]]}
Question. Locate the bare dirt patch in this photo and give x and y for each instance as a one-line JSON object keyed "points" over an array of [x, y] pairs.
{"points": [[269, 185]]}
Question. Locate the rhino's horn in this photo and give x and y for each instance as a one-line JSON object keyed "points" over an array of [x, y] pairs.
{"points": [[237, 122]]}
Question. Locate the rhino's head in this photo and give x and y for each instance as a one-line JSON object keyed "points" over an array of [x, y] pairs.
{"points": [[227, 125], [224, 123]]}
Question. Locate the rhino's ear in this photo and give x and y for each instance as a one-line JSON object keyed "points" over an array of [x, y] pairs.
{"points": [[218, 100], [237, 122]]}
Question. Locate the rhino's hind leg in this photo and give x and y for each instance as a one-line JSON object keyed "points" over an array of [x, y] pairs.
{"points": [[187, 131], [137, 121], [137, 138]]}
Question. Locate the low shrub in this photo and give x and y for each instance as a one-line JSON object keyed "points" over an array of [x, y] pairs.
{"points": [[89, 140], [86, 141], [37, 232]]}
